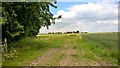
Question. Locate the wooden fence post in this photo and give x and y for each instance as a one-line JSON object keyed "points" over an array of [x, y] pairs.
{"points": [[5, 40]]}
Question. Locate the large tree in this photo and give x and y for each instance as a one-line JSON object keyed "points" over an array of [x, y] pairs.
{"points": [[23, 19]]}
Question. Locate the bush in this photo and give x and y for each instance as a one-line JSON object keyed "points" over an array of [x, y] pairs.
{"points": [[12, 53]]}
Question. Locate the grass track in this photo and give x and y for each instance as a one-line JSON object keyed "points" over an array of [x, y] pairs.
{"points": [[94, 49]]}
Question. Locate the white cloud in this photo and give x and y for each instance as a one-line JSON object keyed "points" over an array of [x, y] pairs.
{"points": [[88, 0], [88, 17]]}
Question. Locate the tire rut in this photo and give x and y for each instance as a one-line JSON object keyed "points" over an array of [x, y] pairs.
{"points": [[44, 58]]}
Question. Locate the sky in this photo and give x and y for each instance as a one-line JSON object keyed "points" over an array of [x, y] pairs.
{"points": [[87, 15]]}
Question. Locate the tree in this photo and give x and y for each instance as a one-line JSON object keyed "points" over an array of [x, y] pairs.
{"points": [[23, 19], [77, 31]]}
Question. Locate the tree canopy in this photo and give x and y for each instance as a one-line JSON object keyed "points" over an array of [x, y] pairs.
{"points": [[23, 19]]}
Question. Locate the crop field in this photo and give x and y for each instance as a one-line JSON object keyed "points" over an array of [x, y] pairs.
{"points": [[84, 49]]}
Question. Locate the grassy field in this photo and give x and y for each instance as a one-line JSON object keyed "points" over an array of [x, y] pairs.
{"points": [[104, 45], [86, 49]]}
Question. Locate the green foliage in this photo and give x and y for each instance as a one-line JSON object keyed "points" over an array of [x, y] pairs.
{"points": [[10, 55], [23, 19]]}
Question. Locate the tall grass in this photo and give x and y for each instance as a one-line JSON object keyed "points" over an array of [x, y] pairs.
{"points": [[31, 48], [103, 44]]}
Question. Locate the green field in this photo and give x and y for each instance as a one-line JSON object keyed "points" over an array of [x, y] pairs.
{"points": [[86, 49]]}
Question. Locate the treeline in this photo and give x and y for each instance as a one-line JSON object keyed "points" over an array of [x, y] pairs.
{"points": [[24, 19], [68, 32], [55, 33]]}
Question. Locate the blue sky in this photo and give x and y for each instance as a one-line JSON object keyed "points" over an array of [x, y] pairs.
{"points": [[87, 0], [64, 5], [91, 16]]}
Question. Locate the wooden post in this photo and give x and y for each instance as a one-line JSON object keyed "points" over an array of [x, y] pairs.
{"points": [[5, 40]]}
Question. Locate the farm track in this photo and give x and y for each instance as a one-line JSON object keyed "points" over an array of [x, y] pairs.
{"points": [[45, 57], [68, 60], [89, 49]]}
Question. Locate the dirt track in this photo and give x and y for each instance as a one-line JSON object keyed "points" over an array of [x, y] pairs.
{"points": [[66, 56]]}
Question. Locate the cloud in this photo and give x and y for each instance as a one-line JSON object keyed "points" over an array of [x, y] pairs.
{"points": [[92, 17], [88, 0]]}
